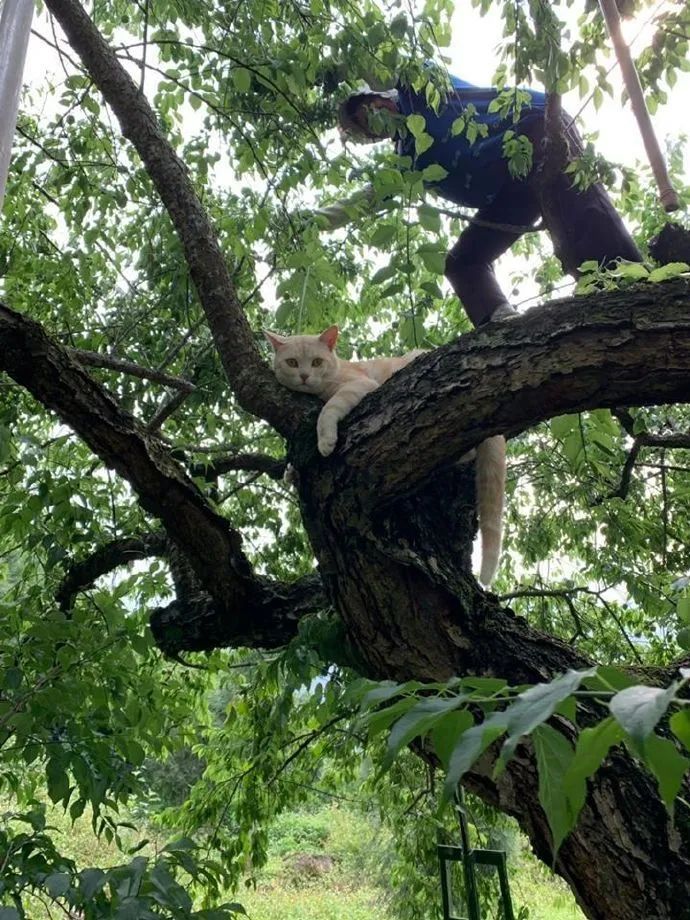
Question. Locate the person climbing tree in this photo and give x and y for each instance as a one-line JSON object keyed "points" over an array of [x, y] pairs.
{"points": [[584, 224]]}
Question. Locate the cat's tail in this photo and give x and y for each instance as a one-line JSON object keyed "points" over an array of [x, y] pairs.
{"points": [[491, 477]]}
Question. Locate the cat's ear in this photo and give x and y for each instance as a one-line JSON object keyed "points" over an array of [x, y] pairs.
{"points": [[277, 341], [329, 337]]}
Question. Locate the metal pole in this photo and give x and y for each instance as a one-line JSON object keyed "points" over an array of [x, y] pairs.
{"points": [[15, 24], [667, 194]]}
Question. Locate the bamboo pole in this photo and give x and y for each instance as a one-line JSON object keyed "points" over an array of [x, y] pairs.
{"points": [[667, 193], [15, 24]]}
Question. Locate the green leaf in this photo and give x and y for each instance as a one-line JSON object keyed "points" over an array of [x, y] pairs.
{"points": [[58, 781], [398, 25], [383, 274], [429, 217], [484, 685], [537, 704], [668, 766], [242, 79], [446, 733], [562, 425], [683, 637], [5, 443], [423, 143], [284, 312], [638, 709], [76, 809], [385, 691], [458, 126], [412, 332], [376, 722], [593, 744], [680, 726], [12, 678], [383, 235], [434, 260], [633, 271], [434, 173], [668, 271], [415, 125], [554, 756], [683, 610], [57, 884], [471, 745], [418, 721], [608, 679]]}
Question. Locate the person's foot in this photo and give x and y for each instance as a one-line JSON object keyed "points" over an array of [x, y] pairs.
{"points": [[502, 311]]}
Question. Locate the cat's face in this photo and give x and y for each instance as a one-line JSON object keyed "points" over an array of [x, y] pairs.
{"points": [[305, 363]]}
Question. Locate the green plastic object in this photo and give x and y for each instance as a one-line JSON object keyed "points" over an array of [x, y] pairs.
{"points": [[470, 859]]}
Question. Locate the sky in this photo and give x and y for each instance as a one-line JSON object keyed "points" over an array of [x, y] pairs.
{"points": [[473, 57]]}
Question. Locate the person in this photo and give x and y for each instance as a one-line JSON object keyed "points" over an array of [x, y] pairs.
{"points": [[584, 224]]}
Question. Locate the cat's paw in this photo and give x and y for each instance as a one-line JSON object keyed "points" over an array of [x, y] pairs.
{"points": [[327, 443], [326, 433]]}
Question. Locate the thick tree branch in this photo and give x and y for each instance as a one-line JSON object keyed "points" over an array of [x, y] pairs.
{"points": [[82, 575], [248, 375], [54, 378], [260, 463], [197, 624], [194, 622], [221, 601], [398, 579], [627, 348]]}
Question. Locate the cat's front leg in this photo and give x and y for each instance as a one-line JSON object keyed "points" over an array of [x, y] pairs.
{"points": [[337, 407], [326, 432]]}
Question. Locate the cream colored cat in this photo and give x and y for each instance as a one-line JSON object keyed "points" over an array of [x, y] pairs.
{"points": [[309, 364]]}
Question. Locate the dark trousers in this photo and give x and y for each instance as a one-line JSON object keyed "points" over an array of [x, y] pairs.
{"points": [[586, 224]]}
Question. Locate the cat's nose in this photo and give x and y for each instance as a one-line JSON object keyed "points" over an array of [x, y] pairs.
{"points": [[304, 377]]}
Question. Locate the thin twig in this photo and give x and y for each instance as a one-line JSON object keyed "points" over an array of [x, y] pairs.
{"points": [[97, 359]]}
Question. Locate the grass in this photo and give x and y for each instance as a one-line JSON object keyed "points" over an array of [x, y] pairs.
{"points": [[323, 865], [317, 903], [546, 895]]}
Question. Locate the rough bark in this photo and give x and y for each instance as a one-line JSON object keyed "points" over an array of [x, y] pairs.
{"points": [[398, 577], [194, 623], [624, 348], [81, 575]]}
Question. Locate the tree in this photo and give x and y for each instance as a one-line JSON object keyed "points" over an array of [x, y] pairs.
{"points": [[98, 274]]}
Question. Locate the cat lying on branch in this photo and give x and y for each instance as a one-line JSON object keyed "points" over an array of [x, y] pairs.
{"points": [[309, 364]]}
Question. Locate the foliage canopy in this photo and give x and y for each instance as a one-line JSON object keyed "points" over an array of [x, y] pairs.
{"points": [[597, 545]]}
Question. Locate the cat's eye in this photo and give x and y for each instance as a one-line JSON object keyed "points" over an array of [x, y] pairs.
{"points": [[292, 362], [317, 362]]}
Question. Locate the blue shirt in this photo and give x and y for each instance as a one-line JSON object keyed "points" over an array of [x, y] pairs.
{"points": [[476, 171]]}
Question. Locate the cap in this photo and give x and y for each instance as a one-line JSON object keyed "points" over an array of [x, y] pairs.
{"points": [[346, 122]]}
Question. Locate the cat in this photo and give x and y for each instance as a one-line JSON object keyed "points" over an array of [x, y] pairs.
{"points": [[309, 364]]}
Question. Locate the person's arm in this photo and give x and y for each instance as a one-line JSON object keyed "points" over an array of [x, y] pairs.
{"points": [[339, 213]]}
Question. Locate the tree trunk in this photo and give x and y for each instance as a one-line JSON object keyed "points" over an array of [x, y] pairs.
{"points": [[399, 578]]}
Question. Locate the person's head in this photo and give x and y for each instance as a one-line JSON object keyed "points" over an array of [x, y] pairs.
{"points": [[368, 116]]}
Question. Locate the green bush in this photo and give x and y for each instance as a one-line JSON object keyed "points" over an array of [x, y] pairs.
{"points": [[296, 832]]}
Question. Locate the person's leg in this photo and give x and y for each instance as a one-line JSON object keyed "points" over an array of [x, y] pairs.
{"points": [[584, 225], [469, 263]]}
